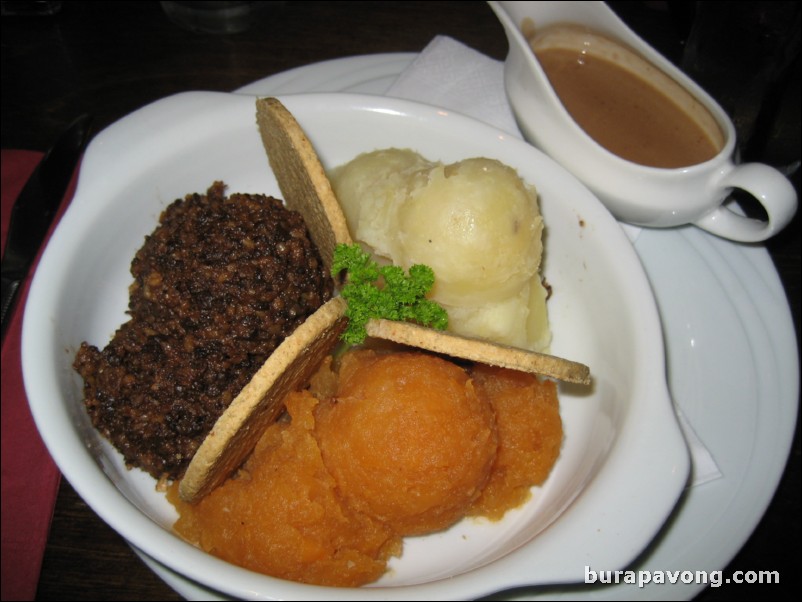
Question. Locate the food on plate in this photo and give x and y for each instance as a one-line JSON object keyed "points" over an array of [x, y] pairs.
{"points": [[281, 516], [478, 350], [382, 445], [307, 189], [385, 303], [288, 369], [529, 431], [408, 439], [209, 305], [384, 292], [474, 222], [304, 184], [217, 287], [233, 319]]}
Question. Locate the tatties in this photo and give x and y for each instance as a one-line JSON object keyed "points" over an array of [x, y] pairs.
{"points": [[370, 190], [474, 222]]}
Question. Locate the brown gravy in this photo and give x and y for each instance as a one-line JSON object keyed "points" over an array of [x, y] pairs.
{"points": [[625, 103]]}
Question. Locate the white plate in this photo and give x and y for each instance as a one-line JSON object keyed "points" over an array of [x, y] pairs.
{"points": [[725, 315], [369, 74]]}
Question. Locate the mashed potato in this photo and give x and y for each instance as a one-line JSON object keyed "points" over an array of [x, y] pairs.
{"points": [[389, 445], [475, 223]]}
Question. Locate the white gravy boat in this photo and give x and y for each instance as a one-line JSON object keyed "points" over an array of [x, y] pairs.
{"points": [[635, 193]]}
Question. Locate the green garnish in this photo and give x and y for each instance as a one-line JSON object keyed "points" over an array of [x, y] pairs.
{"points": [[374, 291]]}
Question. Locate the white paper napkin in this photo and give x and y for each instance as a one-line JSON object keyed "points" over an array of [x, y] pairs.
{"points": [[451, 75]]}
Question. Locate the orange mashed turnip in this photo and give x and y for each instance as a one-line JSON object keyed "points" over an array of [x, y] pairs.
{"points": [[408, 440], [389, 445]]}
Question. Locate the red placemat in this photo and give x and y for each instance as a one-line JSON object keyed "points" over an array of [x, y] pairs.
{"points": [[30, 478]]}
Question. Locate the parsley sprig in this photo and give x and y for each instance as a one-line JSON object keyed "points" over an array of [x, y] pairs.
{"points": [[374, 291]]}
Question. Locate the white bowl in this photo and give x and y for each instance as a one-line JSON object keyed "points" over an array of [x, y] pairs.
{"points": [[623, 463]]}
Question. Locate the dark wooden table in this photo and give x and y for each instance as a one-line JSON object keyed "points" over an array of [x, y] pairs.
{"points": [[110, 58]]}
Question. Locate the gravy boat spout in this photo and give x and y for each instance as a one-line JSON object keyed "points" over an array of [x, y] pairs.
{"points": [[637, 192]]}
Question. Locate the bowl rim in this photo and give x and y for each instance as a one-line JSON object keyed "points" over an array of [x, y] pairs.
{"points": [[100, 493]]}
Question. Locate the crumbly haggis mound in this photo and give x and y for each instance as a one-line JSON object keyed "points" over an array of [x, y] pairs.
{"points": [[217, 287]]}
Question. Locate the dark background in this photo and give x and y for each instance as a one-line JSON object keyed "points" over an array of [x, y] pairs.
{"points": [[111, 58]]}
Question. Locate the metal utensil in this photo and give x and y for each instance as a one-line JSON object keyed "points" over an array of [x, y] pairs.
{"points": [[35, 208]]}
